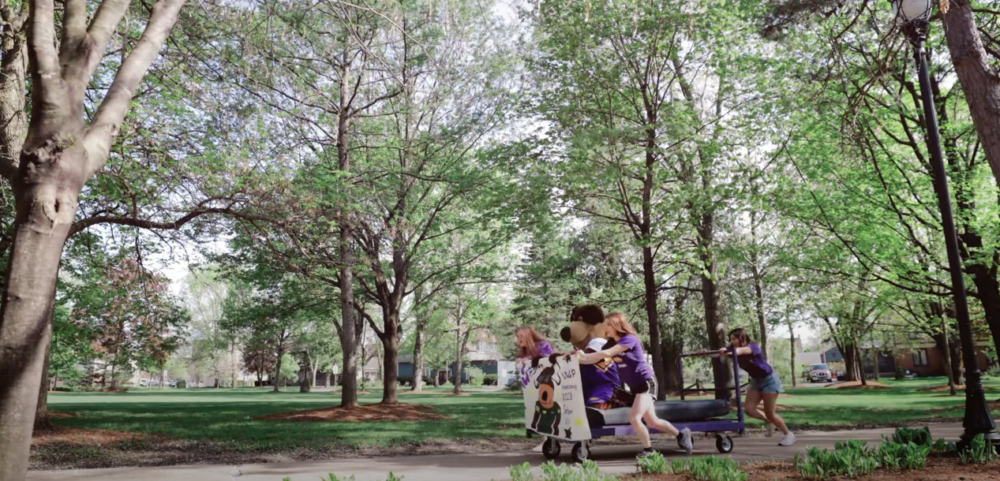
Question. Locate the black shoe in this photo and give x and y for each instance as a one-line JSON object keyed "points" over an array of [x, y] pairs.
{"points": [[645, 454]]}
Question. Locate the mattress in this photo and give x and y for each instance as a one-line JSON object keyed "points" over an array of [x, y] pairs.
{"points": [[673, 411]]}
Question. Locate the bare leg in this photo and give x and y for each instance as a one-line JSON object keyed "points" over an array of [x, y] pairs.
{"points": [[751, 405], [771, 411], [660, 425], [640, 405]]}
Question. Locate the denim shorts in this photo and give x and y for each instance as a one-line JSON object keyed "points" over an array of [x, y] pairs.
{"points": [[769, 384]]}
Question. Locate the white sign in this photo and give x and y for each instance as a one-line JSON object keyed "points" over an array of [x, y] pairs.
{"points": [[553, 398]]}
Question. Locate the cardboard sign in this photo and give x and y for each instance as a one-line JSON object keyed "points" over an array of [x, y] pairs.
{"points": [[553, 398]]}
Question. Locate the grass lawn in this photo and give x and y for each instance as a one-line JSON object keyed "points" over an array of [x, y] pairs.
{"points": [[827, 407], [222, 421], [227, 416]]}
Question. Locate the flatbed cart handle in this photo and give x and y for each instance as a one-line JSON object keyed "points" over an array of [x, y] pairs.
{"points": [[736, 375]]}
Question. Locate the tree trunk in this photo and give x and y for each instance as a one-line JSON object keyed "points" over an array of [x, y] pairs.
{"points": [[232, 357], [45, 210], [850, 364], [670, 353], [349, 393], [42, 422], [722, 374], [390, 357], [979, 82], [418, 360], [947, 356], [652, 316], [458, 357], [759, 307], [13, 120], [437, 378], [988, 293], [857, 359], [277, 368], [758, 289], [791, 337]]}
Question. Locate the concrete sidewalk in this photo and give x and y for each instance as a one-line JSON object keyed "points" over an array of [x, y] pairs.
{"points": [[613, 459]]}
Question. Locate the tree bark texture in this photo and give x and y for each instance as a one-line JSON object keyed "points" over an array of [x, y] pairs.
{"points": [[980, 83]]}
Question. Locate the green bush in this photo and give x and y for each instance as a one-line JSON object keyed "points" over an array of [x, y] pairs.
{"points": [[475, 376], [63, 389], [849, 458], [586, 471], [709, 468], [920, 437], [490, 379], [182, 384], [853, 458], [900, 374], [978, 452], [653, 464]]}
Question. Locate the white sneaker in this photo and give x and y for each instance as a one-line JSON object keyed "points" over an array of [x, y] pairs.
{"points": [[769, 430], [686, 441], [787, 440]]}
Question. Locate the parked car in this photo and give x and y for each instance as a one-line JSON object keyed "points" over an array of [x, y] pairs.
{"points": [[820, 373]]}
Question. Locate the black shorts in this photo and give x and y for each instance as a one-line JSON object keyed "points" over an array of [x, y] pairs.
{"points": [[648, 386]]}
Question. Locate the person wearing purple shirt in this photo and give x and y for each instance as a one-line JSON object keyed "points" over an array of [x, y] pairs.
{"points": [[530, 346], [764, 384], [633, 370]]}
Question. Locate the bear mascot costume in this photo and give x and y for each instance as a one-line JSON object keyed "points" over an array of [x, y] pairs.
{"points": [[586, 333]]}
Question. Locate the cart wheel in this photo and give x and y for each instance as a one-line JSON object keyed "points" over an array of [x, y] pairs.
{"points": [[724, 444], [580, 452], [551, 448]]}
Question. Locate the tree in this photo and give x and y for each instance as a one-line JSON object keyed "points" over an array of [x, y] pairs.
{"points": [[59, 154], [128, 314]]}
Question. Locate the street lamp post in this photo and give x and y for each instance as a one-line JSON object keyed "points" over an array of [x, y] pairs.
{"points": [[913, 16]]}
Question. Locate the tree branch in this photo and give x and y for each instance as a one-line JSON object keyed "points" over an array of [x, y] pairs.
{"points": [[110, 115], [42, 54]]}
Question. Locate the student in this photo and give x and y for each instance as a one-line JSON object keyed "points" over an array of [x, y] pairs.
{"points": [[764, 384], [633, 370], [532, 346]]}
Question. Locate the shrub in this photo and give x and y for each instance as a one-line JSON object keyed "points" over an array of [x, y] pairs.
{"points": [[709, 468], [63, 389], [475, 375], [943, 447], [849, 458], [653, 464], [514, 386], [404, 381], [900, 375], [490, 380], [978, 452], [920, 437], [907, 456], [586, 471], [521, 472], [182, 384]]}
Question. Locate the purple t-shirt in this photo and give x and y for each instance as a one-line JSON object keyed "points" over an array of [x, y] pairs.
{"points": [[632, 367], [544, 348], [600, 379], [754, 364]]}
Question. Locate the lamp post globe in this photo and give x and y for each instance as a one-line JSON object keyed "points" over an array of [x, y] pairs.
{"points": [[906, 11], [913, 18]]}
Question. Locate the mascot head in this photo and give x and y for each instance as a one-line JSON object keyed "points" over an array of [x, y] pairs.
{"points": [[586, 323]]}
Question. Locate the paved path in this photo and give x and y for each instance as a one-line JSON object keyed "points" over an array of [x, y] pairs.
{"points": [[613, 459]]}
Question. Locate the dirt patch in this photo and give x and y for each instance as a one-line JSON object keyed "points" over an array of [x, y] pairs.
{"points": [[858, 385], [363, 413], [61, 415], [87, 437], [937, 469], [794, 409]]}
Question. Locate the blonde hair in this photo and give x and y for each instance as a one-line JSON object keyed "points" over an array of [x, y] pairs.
{"points": [[616, 323], [527, 340]]}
